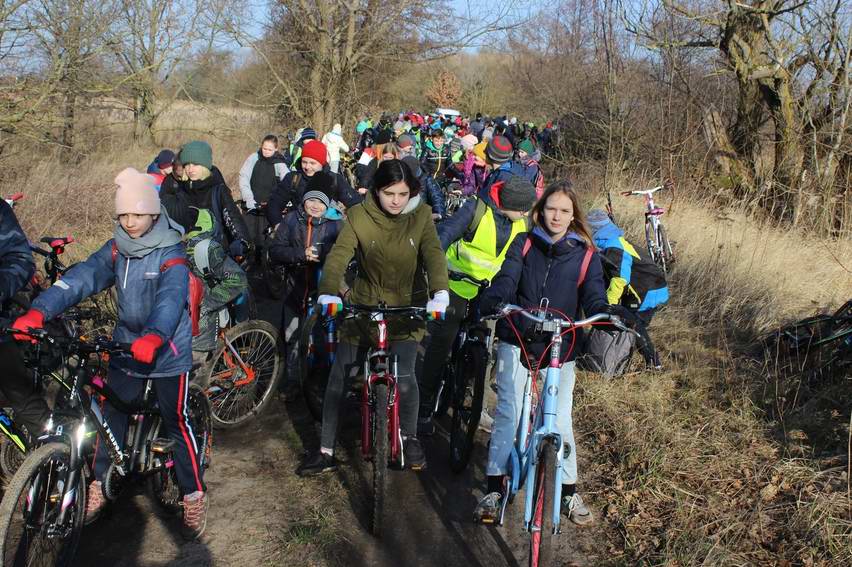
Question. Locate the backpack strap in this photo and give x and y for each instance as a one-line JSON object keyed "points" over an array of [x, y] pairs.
{"points": [[172, 262], [527, 246], [114, 253], [584, 267], [478, 213]]}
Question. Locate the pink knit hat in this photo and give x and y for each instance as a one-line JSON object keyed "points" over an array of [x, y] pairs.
{"points": [[136, 193], [469, 141]]}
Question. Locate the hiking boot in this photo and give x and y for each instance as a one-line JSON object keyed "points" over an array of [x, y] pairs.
{"points": [[194, 514], [95, 501], [317, 463], [415, 458], [576, 511], [487, 511], [425, 426]]}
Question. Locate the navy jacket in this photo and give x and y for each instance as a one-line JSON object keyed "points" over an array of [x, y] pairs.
{"points": [[149, 301], [16, 260], [285, 193], [548, 270], [433, 196]]}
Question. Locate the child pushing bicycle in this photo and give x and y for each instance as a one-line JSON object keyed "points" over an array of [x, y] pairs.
{"points": [[146, 262]]}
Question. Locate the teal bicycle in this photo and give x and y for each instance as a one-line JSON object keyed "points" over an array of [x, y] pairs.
{"points": [[536, 459]]}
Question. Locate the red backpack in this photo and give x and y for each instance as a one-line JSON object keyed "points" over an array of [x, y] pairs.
{"points": [[196, 287]]}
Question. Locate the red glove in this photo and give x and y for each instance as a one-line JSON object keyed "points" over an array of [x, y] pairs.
{"points": [[32, 319], [144, 349]]}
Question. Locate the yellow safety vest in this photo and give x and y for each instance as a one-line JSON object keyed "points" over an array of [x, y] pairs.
{"points": [[479, 258]]}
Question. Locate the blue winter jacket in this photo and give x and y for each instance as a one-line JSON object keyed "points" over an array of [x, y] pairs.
{"points": [[433, 196], [504, 172], [16, 260], [149, 301], [548, 270]]}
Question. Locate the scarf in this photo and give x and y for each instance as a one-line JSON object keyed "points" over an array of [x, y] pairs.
{"points": [[164, 233]]}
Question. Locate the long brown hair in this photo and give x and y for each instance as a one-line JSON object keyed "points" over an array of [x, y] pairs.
{"points": [[578, 225]]}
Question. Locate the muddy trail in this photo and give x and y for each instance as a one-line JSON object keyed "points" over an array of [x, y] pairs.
{"points": [[261, 513]]}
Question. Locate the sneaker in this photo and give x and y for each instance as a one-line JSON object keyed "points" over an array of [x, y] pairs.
{"points": [[576, 511], [95, 501], [415, 458], [195, 514], [425, 426], [487, 511], [317, 463]]}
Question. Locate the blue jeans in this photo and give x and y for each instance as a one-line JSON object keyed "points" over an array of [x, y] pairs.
{"points": [[511, 378]]}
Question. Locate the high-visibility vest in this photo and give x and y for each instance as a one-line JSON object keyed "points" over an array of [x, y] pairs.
{"points": [[480, 258]]}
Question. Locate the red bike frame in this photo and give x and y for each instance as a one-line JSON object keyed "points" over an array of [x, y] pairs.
{"points": [[378, 359]]}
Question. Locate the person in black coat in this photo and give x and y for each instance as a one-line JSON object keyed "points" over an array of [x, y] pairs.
{"points": [[555, 260]]}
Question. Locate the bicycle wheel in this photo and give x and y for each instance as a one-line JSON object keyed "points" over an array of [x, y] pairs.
{"points": [[31, 506], [468, 394], [11, 456], [379, 455], [651, 241], [665, 246], [201, 420], [312, 376], [541, 526], [238, 392], [445, 392]]}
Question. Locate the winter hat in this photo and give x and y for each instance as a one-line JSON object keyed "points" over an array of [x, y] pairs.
{"points": [[383, 136], [526, 146], [320, 188], [197, 152], [597, 219], [136, 193], [308, 133], [499, 149], [315, 150], [165, 158], [413, 164], [449, 132], [405, 141], [479, 149], [468, 142], [337, 129], [516, 194]]}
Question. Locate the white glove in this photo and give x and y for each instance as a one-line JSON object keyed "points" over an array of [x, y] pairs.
{"points": [[437, 306], [330, 305]]}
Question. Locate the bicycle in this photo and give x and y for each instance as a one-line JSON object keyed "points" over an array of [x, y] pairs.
{"points": [[656, 239], [243, 374], [381, 436], [536, 458], [462, 385], [43, 509], [315, 359]]}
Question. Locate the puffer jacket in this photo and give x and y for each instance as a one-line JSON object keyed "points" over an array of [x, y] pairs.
{"points": [[335, 144], [435, 160], [16, 261], [392, 253], [259, 176], [288, 248], [149, 301], [549, 270]]}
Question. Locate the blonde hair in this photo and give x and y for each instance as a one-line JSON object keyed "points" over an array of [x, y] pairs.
{"points": [[389, 148], [578, 224]]}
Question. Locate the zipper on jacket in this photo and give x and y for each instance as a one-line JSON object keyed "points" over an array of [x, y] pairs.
{"points": [[126, 270]]}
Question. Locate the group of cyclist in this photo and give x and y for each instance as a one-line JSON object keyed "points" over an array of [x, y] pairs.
{"points": [[530, 241]]}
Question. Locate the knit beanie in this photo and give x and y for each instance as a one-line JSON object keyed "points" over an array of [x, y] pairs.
{"points": [[479, 149], [197, 152], [307, 133], [468, 142], [337, 129], [320, 187], [413, 164], [136, 193], [315, 150], [597, 219], [165, 158], [383, 136], [526, 146], [405, 141], [516, 194], [499, 149]]}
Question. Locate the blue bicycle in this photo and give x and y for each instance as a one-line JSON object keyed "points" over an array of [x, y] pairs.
{"points": [[536, 459]]}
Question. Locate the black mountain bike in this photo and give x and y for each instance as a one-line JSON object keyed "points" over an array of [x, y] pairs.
{"points": [[43, 509]]}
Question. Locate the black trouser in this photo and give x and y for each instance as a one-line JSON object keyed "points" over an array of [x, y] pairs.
{"points": [[291, 331], [348, 364], [646, 316], [171, 393], [16, 383], [437, 344], [257, 225]]}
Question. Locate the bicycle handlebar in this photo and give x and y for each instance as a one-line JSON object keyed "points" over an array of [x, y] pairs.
{"points": [[460, 277], [645, 192], [356, 309], [99, 344]]}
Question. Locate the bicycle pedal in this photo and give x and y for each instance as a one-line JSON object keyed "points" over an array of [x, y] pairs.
{"points": [[161, 445]]}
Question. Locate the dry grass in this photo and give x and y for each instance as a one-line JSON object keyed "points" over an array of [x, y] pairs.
{"points": [[688, 466]]}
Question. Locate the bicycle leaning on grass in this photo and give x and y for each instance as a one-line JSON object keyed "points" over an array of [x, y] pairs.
{"points": [[536, 458], [656, 239]]}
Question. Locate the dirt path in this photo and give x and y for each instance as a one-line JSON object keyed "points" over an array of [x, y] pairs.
{"points": [[262, 514]]}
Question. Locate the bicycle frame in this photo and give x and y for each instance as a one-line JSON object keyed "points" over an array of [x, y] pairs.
{"points": [[376, 371]]}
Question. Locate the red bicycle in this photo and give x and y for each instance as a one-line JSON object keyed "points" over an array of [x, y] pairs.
{"points": [[381, 436]]}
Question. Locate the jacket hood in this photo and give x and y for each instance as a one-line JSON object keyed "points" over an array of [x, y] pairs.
{"points": [[606, 231], [372, 207], [565, 244]]}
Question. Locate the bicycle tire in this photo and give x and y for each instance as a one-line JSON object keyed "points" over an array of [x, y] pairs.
{"points": [[11, 457], [650, 242], [16, 494], [541, 525], [201, 421], [379, 456], [468, 396], [445, 395], [234, 404], [313, 378], [665, 246]]}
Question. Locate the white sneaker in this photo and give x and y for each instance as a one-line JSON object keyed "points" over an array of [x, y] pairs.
{"points": [[576, 510]]}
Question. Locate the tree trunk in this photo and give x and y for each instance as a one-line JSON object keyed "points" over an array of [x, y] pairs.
{"points": [[68, 124]]}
